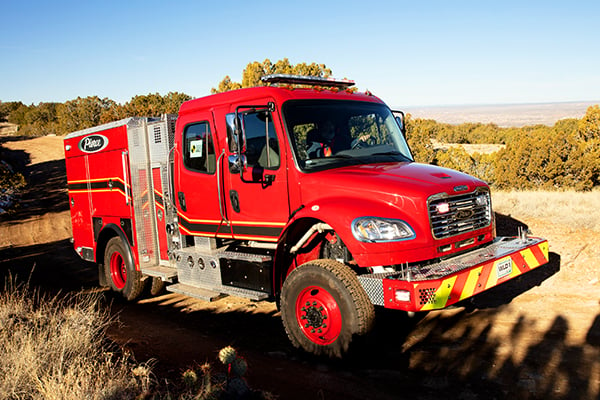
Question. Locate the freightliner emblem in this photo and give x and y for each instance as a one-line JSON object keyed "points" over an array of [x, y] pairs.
{"points": [[463, 214], [93, 143]]}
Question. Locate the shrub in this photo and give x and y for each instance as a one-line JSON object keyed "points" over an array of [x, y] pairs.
{"points": [[56, 348]]}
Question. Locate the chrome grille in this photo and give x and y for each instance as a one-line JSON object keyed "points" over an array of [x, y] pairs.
{"points": [[452, 216]]}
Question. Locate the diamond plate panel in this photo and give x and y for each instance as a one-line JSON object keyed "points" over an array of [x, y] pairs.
{"points": [[141, 189], [373, 285]]}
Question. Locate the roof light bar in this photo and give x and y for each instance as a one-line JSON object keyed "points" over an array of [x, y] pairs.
{"points": [[307, 80]]}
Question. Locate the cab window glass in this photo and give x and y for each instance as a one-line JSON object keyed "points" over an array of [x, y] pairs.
{"points": [[259, 151], [199, 150]]}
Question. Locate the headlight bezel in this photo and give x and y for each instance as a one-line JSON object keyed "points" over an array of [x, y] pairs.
{"points": [[406, 231]]}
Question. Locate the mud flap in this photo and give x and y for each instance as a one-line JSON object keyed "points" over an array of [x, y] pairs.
{"points": [[102, 276]]}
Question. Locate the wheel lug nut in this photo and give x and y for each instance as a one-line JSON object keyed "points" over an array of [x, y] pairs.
{"points": [[324, 325], [320, 330], [324, 316], [321, 308], [306, 325], [314, 303], [312, 331], [303, 317], [308, 303]]}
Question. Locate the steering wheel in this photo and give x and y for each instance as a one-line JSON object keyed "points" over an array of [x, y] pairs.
{"points": [[359, 143]]}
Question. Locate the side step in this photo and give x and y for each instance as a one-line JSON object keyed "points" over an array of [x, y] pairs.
{"points": [[165, 273], [202, 294], [213, 294], [244, 293]]}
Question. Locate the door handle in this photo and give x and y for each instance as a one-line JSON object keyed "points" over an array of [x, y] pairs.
{"points": [[235, 200], [181, 198]]}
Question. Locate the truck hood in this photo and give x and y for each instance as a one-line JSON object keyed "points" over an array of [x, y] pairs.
{"points": [[382, 181]]}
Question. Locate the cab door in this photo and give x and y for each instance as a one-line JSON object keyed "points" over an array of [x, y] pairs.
{"points": [[195, 178], [257, 197]]}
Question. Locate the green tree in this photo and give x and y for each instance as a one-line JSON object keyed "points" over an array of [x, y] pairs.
{"points": [[589, 125], [173, 101], [255, 70], [40, 120], [6, 109], [154, 105], [419, 133], [83, 113]]}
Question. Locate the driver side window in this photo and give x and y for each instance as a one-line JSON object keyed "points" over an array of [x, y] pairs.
{"points": [[257, 126], [199, 150]]}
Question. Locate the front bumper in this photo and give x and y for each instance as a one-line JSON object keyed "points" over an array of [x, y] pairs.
{"points": [[437, 286]]}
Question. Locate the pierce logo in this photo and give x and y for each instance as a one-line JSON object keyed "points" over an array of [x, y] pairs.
{"points": [[93, 143]]}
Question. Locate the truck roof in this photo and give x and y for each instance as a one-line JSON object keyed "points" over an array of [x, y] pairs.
{"points": [[279, 94]]}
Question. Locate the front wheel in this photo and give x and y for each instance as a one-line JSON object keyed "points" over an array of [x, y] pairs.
{"points": [[120, 271], [323, 306]]}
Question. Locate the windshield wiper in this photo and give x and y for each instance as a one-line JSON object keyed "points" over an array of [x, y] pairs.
{"points": [[391, 153]]}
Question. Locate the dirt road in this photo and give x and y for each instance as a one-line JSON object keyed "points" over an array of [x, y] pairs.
{"points": [[536, 337]]}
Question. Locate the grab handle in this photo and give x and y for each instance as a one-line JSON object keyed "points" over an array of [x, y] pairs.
{"points": [[125, 177]]}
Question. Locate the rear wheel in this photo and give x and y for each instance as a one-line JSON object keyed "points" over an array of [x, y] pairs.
{"points": [[121, 274], [156, 286], [323, 306]]}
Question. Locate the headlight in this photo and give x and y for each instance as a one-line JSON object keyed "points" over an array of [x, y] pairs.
{"points": [[371, 229]]}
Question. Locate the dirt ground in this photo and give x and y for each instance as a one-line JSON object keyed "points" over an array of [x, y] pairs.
{"points": [[537, 336]]}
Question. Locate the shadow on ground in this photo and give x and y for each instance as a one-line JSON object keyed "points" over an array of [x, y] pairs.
{"points": [[452, 353]]}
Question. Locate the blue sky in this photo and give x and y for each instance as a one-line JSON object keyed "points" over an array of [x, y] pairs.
{"points": [[408, 53]]}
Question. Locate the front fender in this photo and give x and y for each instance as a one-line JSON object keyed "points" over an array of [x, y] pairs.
{"points": [[339, 212]]}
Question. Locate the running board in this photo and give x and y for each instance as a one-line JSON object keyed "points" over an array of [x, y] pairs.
{"points": [[158, 271], [202, 294], [244, 293], [212, 294]]}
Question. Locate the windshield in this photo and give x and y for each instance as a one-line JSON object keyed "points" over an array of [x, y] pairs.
{"points": [[332, 133]]}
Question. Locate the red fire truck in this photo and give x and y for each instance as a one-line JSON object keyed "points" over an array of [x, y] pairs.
{"points": [[304, 195]]}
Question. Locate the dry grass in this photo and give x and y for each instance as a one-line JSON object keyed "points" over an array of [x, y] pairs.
{"points": [[577, 210], [57, 349]]}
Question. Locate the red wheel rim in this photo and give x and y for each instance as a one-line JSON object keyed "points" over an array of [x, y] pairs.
{"points": [[318, 315], [118, 270]]}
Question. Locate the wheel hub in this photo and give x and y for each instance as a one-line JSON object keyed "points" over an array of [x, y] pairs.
{"points": [[318, 315], [314, 316]]}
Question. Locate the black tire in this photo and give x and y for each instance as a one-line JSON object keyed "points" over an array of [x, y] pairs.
{"points": [[156, 286], [323, 306], [121, 274]]}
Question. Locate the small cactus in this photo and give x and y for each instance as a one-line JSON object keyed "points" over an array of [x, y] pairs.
{"points": [[206, 378], [227, 355], [190, 379]]}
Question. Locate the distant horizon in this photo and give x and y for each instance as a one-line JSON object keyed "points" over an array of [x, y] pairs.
{"points": [[500, 104], [504, 115]]}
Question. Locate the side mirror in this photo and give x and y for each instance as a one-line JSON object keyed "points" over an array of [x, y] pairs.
{"points": [[400, 121], [237, 143], [237, 163]]}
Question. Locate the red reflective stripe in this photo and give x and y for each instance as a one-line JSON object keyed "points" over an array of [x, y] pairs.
{"points": [[482, 281], [539, 254], [520, 262], [459, 286]]}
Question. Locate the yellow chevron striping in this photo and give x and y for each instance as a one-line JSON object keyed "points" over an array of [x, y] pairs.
{"points": [[441, 295], [530, 259], [469, 288]]}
